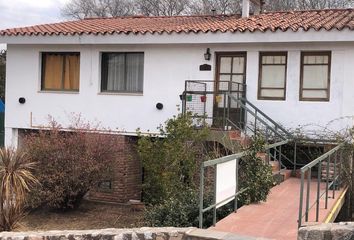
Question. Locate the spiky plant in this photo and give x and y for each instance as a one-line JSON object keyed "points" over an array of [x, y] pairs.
{"points": [[16, 181]]}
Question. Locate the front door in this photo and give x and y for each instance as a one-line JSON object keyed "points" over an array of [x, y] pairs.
{"points": [[230, 78]]}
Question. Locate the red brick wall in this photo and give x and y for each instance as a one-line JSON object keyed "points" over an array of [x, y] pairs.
{"points": [[126, 175]]}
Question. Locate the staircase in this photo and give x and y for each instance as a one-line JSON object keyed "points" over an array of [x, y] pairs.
{"points": [[235, 121]]}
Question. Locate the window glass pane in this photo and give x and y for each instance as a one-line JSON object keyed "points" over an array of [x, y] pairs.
{"points": [[314, 94], [238, 65], [115, 72], [221, 101], [315, 76], [309, 59], [273, 93], [319, 59], [235, 104], [135, 72], [273, 76], [224, 82], [53, 71], [72, 72], [237, 79], [225, 64], [274, 59], [122, 72]]}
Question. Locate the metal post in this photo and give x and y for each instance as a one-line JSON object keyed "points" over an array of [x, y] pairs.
{"points": [[308, 194], [279, 159], [255, 122], [334, 181], [340, 167], [295, 157], [268, 150], [327, 181], [245, 116], [201, 196], [228, 105], [236, 202], [301, 199], [224, 113], [214, 209], [318, 191]]}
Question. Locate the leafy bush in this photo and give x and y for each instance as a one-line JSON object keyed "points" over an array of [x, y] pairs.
{"points": [[182, 210], [170, 158], [255, 174], [170, 161], [16, 181], [69, 164]]}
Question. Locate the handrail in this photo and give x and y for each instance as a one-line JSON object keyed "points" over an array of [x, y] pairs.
{"points": [[214, 163], [241, 101], [267, 117], [336, 156]]}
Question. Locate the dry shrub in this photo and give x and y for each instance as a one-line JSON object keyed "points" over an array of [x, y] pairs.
{"points": [[69, 163], [16, 181]]}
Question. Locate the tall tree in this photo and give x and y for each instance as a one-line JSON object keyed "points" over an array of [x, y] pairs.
{"points": [[219, 6], [78, 9], [162, 7], [279, 5]]}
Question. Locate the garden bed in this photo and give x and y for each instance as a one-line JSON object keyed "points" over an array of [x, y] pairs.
{"points": [[90, 215]]}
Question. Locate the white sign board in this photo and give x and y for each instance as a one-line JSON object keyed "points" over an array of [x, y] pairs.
{"points": [[225, 181]]}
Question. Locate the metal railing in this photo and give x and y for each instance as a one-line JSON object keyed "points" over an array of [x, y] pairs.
{"points": [[208, 101], [261, 121], [234, 157], [333, 158], [226, 101]]}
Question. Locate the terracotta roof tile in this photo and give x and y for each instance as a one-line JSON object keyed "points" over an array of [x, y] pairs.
{"points": [[327, 19]]}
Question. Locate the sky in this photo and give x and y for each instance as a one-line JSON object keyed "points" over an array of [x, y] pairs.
{"points": [[20, 13]]}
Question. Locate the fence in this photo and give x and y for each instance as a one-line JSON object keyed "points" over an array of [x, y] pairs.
{"points": [[329, 167]]}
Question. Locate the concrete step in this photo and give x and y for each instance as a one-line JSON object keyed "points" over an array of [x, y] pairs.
{"points": [[287, 174], [232, 140], [275, 166]]}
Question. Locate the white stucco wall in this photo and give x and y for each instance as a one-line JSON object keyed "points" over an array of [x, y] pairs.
{"points": [[165, 70]]}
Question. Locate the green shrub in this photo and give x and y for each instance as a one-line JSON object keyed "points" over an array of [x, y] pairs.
{"points": [[182, 210], [255, 174], [69, 164], [170, 159]]}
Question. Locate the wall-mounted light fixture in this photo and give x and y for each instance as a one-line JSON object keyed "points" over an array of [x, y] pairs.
{"points": [[207, 55]]}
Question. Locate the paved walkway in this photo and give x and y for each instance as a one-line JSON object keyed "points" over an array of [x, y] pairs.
{"points": [[277, 217]]}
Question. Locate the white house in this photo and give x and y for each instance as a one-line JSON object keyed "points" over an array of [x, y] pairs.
{"points": [[297, 66]]}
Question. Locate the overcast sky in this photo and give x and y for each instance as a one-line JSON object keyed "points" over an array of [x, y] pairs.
{"points": [[20, 13]]}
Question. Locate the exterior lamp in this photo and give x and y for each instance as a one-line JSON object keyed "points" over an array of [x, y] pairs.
{"points": [[207, 55]]}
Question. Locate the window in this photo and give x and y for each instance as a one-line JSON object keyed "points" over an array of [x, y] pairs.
{"points": [[122, 72], [272, 76], [315, 76], [60, 71]]}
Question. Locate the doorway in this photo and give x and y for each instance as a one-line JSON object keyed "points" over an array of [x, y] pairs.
{"points": [[230, 79]]}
